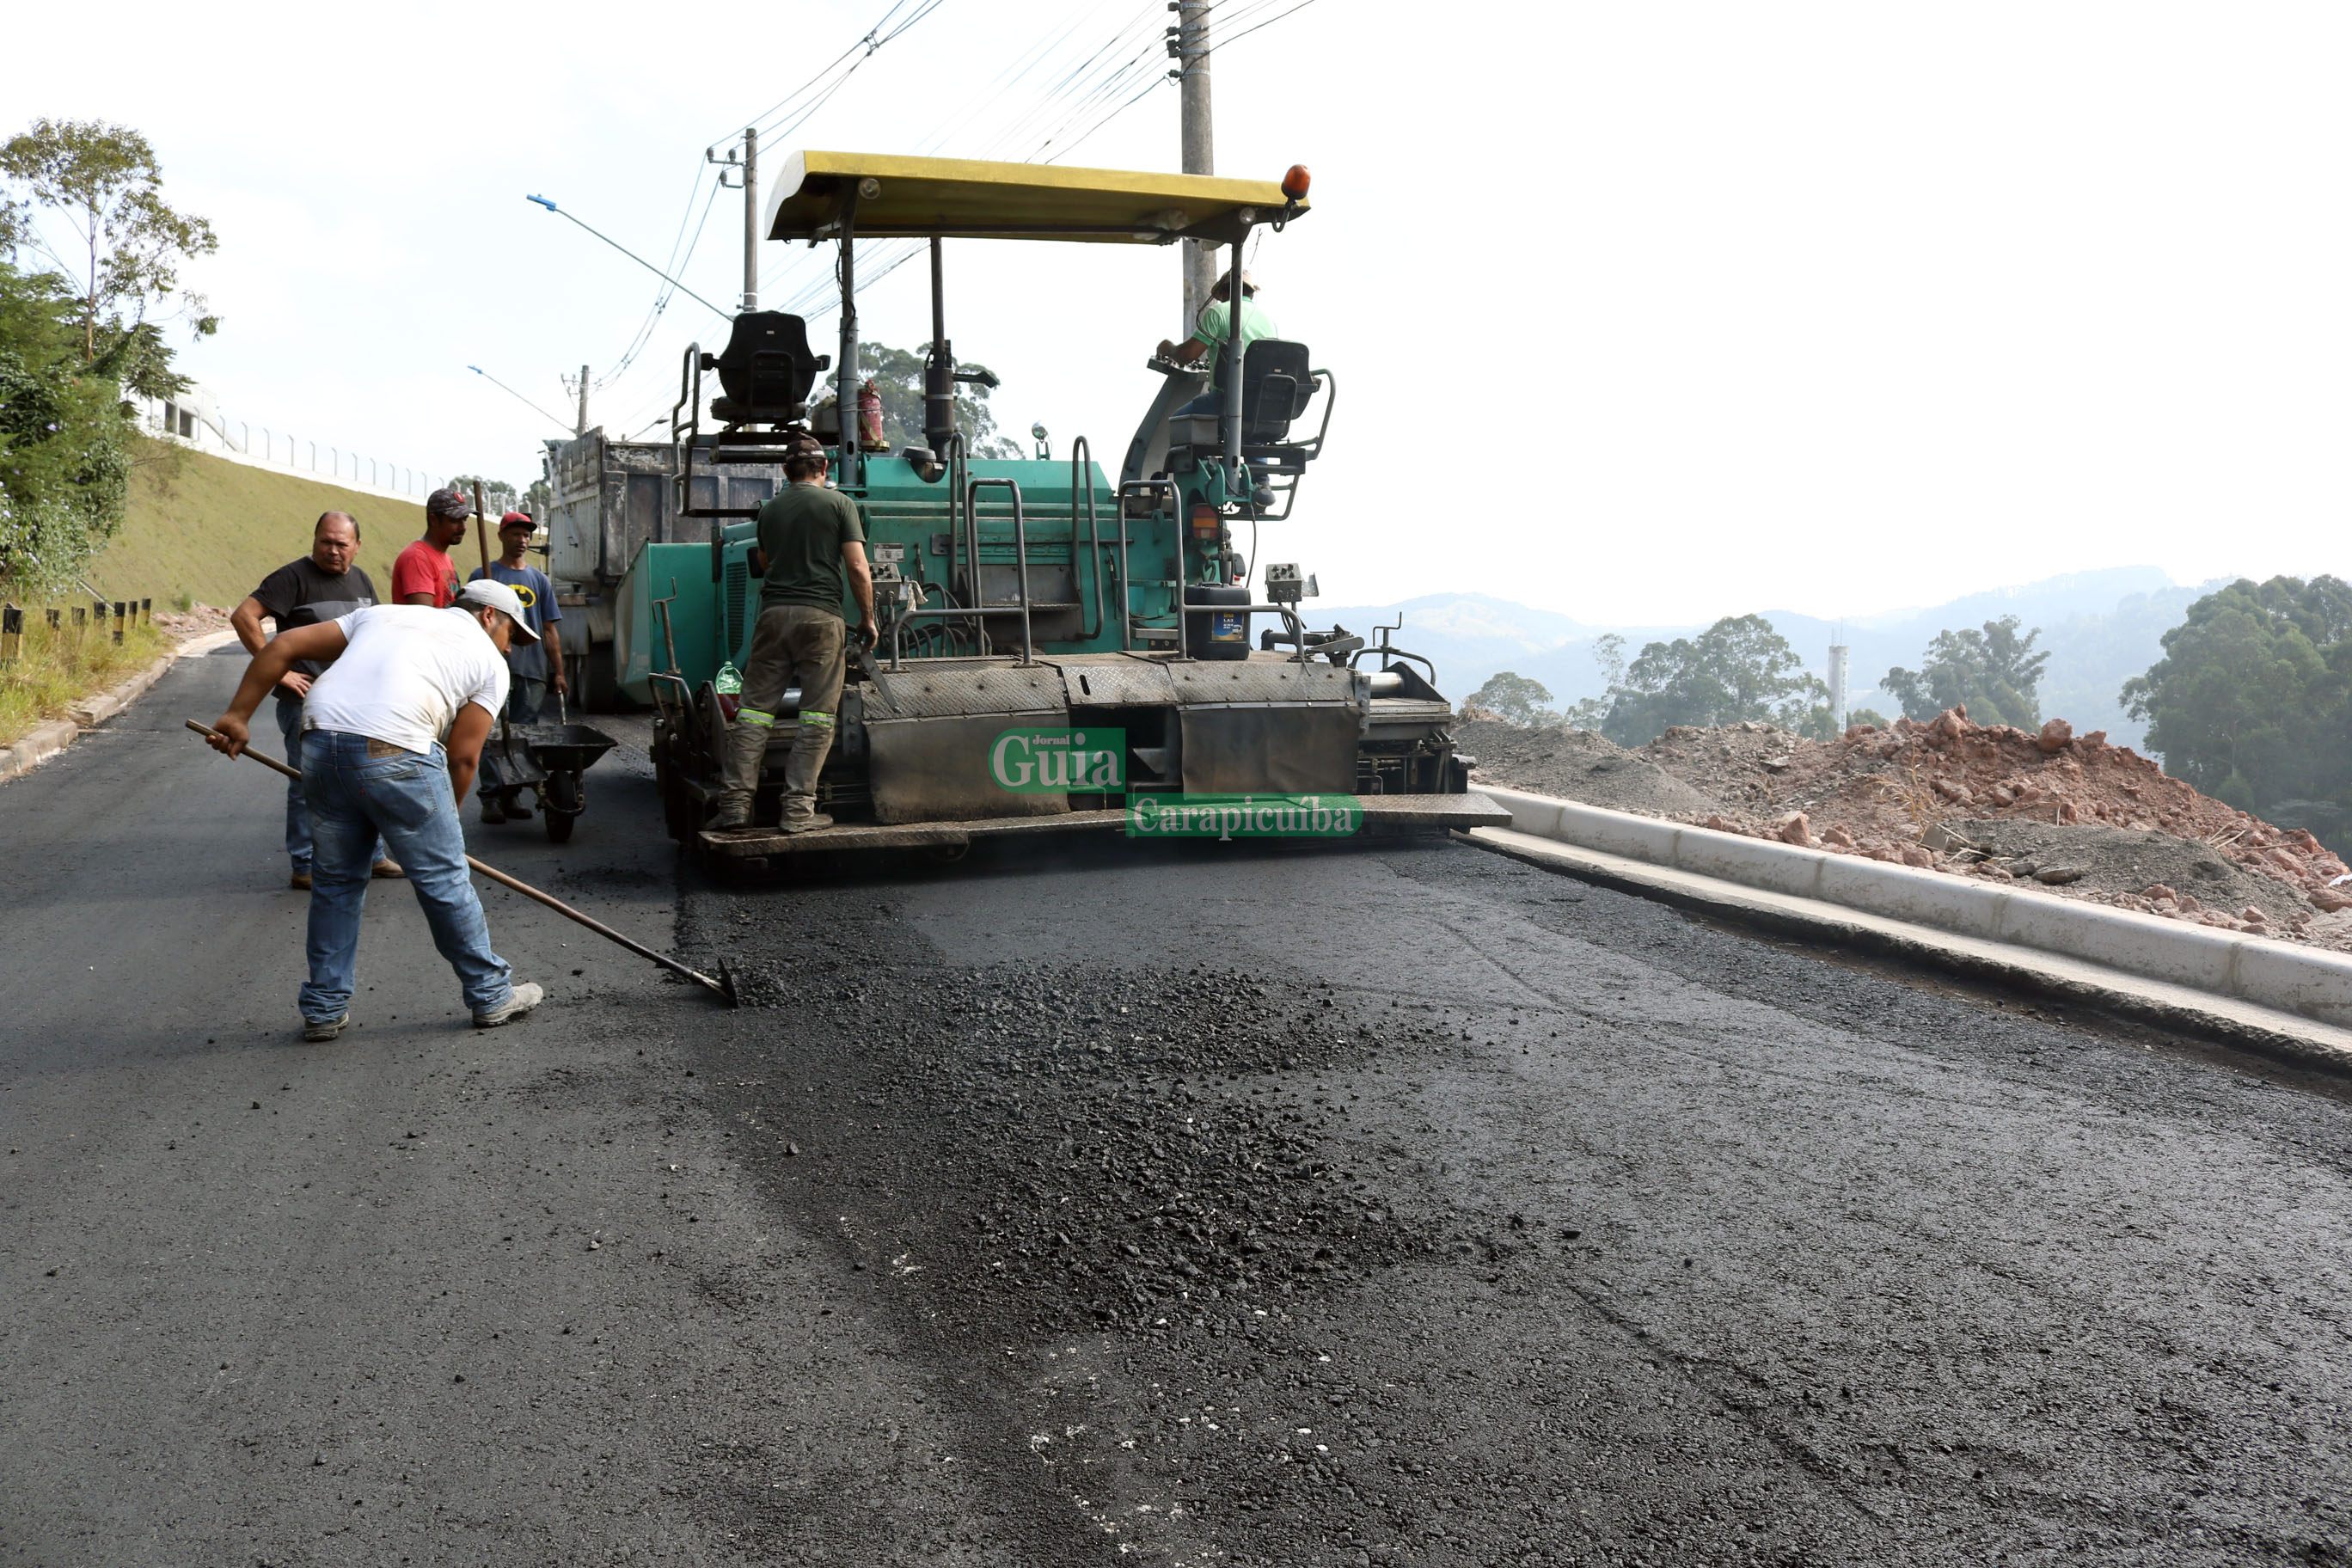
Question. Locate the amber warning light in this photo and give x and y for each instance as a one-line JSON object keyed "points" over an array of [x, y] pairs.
{"points": [[1295, 183]]}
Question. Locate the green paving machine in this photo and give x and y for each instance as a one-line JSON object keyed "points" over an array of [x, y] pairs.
{"points": [[1061, 648]]}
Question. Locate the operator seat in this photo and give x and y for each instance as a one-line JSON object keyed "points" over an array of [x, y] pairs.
{"points": [[1276, 387], [766, 369]]}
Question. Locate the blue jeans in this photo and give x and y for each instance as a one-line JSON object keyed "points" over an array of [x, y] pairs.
{"points": [[526, 696], [405, 797], [297, 814]]}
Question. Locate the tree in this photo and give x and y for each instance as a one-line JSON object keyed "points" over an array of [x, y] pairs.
{"points": [[499, 498], [1608, 653], [1516, 699], [103, 181], [1995, 671], [2248, 702], [64, 468], [897, 376], [1739, 670]]}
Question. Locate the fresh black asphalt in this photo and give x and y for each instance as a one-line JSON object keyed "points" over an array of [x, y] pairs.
{"points": [[1194, 1206]]}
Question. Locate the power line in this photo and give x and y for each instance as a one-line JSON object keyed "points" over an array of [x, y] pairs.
{"points": [[1246, 32], [662, 298]]}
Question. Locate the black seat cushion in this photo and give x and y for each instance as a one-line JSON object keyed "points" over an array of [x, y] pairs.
{"points": [[766, 368]]}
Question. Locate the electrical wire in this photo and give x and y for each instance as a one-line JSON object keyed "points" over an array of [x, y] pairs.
{"points": [[866, 39], [682, 249], [1246, 32], [661, 303], [1078, 100]]}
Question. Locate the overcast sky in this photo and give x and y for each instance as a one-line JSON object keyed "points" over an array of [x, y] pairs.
{"points": [[1642, 313]]}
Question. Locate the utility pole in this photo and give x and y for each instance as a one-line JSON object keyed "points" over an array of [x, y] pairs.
{"points": [[745, 164], [750, 218], [582, 427], [1188, 41]]}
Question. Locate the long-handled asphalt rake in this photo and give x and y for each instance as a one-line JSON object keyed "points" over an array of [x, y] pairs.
{"points": [[723, 987]]}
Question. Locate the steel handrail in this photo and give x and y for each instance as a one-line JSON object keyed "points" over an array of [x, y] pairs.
{"points": [[1125, 581], [1020, 554], [1082, 463]]}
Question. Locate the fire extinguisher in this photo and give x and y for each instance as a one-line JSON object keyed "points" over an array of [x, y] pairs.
{"points": [[869, 418]]}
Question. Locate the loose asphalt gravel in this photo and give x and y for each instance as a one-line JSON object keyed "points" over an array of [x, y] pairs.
{"points": [[1260, 1206]]}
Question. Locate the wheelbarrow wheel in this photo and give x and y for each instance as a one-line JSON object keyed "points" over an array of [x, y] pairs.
{"points": [[562, 805]]}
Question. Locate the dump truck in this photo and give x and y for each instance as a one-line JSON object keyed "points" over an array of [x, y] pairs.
{"points": [[1064, 646], [613, 497]]}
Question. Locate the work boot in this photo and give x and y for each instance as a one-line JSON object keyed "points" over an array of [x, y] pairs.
{"points": [[386, 868], [316, 1033], [802, 768], [518, 807], [519, 1001], [493, 809], [299, 882], [732, 814]]}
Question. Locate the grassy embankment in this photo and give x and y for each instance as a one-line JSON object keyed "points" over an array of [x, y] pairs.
{"points": [[197, 529], [54, 671], [212, 529]]}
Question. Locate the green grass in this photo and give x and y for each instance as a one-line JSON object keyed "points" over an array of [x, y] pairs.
{"points": [[212, 529], [51, 672]]}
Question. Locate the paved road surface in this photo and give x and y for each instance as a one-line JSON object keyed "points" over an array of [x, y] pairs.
{"points": [[1409, 1207]]}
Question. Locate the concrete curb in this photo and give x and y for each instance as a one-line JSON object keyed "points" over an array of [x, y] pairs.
{"points": [[2286, 1037], [2272, 974], [45, 740]]}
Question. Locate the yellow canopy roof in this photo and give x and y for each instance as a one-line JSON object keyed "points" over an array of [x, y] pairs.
{"points": [[967, 198]]}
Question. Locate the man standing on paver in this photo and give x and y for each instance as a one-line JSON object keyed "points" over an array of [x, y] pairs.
{"points": [[392, 736], [321, 586], [812, 554], [423, 574]]}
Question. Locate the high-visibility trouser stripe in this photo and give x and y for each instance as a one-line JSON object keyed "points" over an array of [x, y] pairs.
{"points": [[754, 716], [811, 716]]}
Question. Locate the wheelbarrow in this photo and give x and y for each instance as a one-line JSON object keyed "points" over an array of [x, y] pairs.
{"points": [[548, 760]]}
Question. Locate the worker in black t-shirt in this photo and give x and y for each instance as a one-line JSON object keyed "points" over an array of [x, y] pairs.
{"points": [[320, 587]]}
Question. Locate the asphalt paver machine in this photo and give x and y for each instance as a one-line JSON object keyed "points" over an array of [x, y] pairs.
{"points": [[1057, 646]]}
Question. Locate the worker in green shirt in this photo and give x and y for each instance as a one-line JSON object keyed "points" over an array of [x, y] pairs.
{"points": [[1212, 332], [810, 556]]}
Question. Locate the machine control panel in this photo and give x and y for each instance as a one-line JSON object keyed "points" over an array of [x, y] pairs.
{"points": [[1287, 583]]}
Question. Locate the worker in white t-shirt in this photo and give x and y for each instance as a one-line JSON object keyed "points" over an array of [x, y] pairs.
{"points": [[392, 736]]}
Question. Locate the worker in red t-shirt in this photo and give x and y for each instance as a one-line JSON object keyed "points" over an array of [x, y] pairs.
{"points": [[423, 573]]}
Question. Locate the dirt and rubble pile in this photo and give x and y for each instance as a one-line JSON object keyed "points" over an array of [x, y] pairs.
{"points": [[1578, 764], [195, 621], [2065, 812]]}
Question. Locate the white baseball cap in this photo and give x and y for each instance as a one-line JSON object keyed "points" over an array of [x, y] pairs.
{"points": [[489, 593]]}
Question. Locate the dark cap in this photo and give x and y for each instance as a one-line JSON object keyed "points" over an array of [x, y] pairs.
{"points": [[446, 502], [512, 517]]}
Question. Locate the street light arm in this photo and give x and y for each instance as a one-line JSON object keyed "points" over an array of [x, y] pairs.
{"points": [[519, 397], [633, 255]]}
